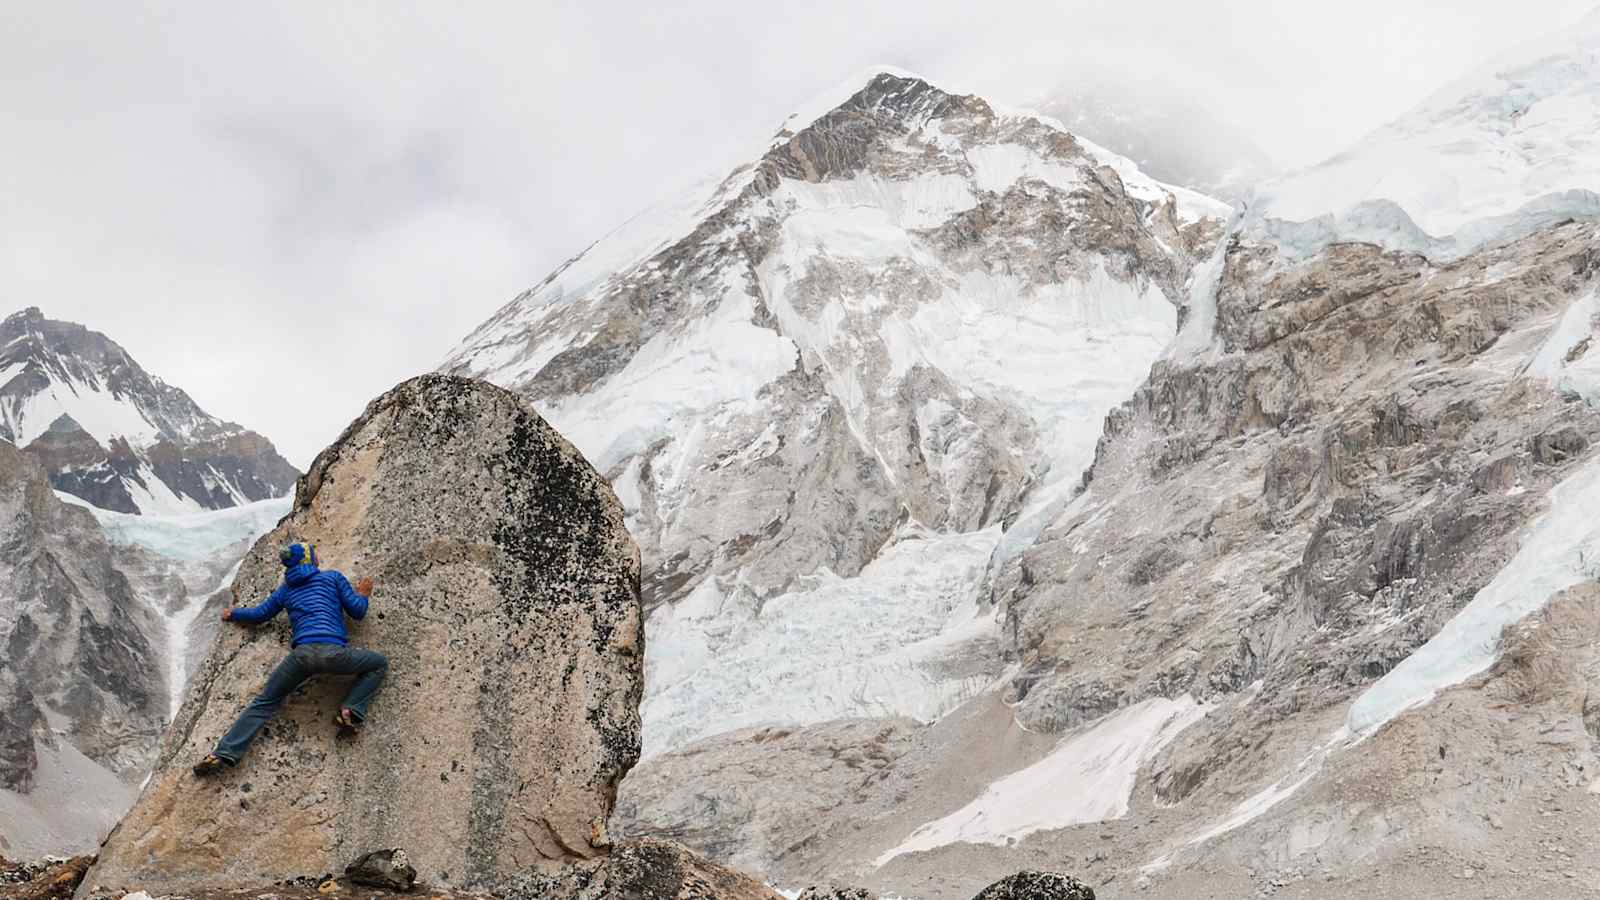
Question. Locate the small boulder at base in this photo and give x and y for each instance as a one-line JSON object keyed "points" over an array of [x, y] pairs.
{"points": [[389, 869], [507, 603], [51, 879], [816, 892], [1037, 886], [646, 869]]}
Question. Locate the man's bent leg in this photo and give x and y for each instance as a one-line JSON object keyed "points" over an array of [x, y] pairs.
{"points": [[369, 667], [284, 679]]}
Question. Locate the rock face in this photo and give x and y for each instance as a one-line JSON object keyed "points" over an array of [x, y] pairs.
{"points": [[1037, 886], [54, 879], [81, 701], [508, 606], [755, 798], [648, 870], [122, 439]]}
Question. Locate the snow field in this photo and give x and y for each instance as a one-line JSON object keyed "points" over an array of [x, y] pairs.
{"points": [[103, 414], [1582, 375], [1088, 777], [672, 380], [190, 537], [1556, 552]]}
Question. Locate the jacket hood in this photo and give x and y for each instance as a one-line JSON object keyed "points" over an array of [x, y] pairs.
{"points": [[294, 576]]}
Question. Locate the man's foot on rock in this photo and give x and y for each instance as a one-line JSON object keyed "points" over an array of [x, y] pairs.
{"points": [[349, 723], [211, 765]]}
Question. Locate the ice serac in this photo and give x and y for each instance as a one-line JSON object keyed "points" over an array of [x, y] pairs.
{"points": [[115, 435], [508, 606], [843, 365], [81, 703]]}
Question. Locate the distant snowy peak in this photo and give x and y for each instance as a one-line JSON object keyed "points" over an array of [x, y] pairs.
{"points": [[828, 140], [117, 436], [1507, 150]]}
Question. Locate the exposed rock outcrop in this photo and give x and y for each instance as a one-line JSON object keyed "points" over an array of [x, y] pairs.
{"points": [[53, 879], [1037, 886], [648, 869], [508, 606], [757, 798], [75, 634], [80, 700], [836, 893]]}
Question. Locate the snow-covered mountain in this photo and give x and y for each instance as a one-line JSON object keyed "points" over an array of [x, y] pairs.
{"points": [[1322, 620], [81, 701], [118, 437], [104, 617], [824, 384], [1507, 150], [125, 506]]}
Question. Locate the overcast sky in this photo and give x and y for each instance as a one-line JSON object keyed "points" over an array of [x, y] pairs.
{"points": [[273, 203]]}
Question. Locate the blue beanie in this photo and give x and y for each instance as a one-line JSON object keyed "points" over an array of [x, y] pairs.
{"points": [[297, 554]]}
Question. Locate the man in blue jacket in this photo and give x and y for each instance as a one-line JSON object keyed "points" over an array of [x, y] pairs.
{"points": [[317, 602]]}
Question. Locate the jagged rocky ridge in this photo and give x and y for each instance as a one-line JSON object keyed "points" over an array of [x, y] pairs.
{"points": [[823, 386], [81, 705], [118, 437]]}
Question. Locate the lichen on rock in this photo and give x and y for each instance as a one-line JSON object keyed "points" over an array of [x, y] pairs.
{"points": [[1037, 886], [647, 869], [507, 602]]}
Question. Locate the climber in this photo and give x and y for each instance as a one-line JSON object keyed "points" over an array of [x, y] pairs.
{"points": [[316, 601]]}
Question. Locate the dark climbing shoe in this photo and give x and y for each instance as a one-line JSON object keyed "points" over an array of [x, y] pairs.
{"points": [[211, 765], [348, 723]]}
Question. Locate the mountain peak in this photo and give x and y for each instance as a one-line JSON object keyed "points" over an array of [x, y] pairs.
{"points": [[145, 446], [20, 322], [839, 95]]}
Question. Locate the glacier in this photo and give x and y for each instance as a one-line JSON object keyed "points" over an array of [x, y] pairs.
{"points": [[1507, 150]]}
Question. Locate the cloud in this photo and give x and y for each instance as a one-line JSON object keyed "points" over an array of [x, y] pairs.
{"points": [[315, 201]]}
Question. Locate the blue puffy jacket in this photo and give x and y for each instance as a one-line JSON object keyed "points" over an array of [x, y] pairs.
{"points": [[316, 601]]}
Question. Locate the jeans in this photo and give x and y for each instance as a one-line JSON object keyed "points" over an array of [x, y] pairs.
{"points": [[303, 662]]}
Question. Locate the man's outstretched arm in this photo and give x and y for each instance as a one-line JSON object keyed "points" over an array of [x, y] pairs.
{"points": [[250, 615], [354, 599]]}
